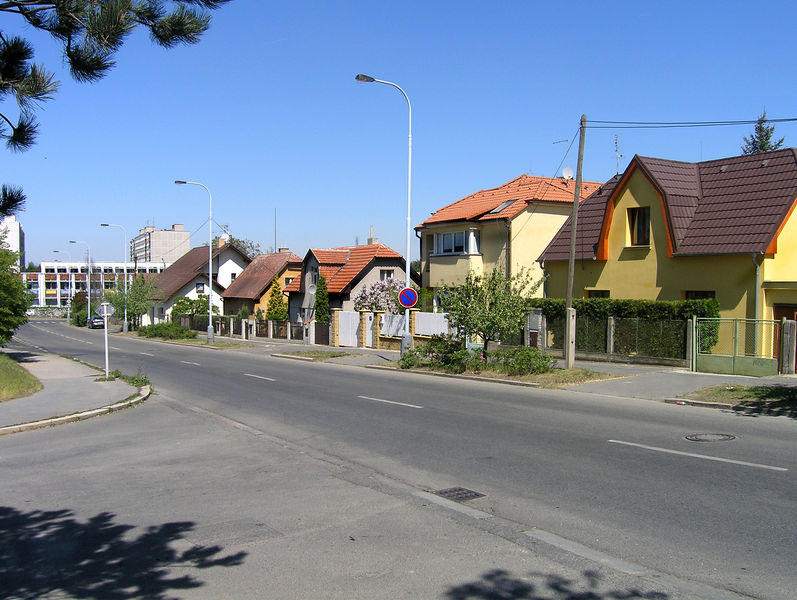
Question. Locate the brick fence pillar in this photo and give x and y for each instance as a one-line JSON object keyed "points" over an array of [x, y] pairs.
{"points": [[377, 327], [334, 333]]}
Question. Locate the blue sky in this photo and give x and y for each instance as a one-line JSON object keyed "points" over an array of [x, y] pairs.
{"points": [[265, 111]]}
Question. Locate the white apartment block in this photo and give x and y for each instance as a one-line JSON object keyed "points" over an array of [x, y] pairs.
{"points": [[55, 283], [163, 245], [14, 237]]}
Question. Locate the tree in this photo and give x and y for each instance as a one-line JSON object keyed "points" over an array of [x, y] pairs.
{"points": [[382, 295], [250, 247], [322, 300], [14, 297], [196, 306], [12, 200], [761, 139], [491, 307], [277, 308], [90, 32], [140, 296]]}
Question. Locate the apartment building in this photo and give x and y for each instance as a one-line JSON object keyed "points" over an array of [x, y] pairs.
{"points": [[151, 245]]}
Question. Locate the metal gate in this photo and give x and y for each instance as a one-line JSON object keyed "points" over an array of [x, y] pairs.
{"points": [[349, 322], [737, 346]]}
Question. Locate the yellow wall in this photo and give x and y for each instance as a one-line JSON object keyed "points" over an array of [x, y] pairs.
{"points": [[782, 266], [647, 273], [532, 231], [290, 272]]}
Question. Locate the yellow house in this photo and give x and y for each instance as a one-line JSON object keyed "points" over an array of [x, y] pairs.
{"points": [[505, 227], [669, 230]]}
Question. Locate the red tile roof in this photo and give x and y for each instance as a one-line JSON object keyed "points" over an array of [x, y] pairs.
{"points": [[511, 198], [725, 206], [258, 275], [341, 266], [186, 268]]}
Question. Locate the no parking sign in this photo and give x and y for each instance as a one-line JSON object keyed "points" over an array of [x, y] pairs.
{"points": [[408, 297]]}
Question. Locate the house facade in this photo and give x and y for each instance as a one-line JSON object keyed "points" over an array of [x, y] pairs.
{"points": [[347, 270], [669, 230], [252, 288], [505, 228], [188, 277]]}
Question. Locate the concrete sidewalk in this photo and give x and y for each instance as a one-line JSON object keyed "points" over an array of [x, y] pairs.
{"points": [[69, 387]]}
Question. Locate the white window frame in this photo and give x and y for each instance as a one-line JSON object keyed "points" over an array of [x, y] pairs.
{"points": [[451, 243], [386, 274]]}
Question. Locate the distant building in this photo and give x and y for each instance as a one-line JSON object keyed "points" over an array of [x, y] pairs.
{"points": [[14, 237], [164, 245]]}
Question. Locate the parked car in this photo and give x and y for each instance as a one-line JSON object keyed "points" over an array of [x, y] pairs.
{"points": [[96, 322]]}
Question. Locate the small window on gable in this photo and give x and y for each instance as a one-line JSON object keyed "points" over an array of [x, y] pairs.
{"points": [[288, 281], [385, 274], [699, 294], [233, 276], [200, 288], [639, 225]]}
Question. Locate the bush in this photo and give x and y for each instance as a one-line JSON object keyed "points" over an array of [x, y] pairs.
{"points": [[169, 331], [410, 359], [521, 361], [79, 317]]}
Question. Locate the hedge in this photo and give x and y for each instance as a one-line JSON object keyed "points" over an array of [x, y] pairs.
{"points": [[655, 310]]}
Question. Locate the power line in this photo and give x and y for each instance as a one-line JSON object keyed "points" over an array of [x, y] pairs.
{"points": [[676, 124]]}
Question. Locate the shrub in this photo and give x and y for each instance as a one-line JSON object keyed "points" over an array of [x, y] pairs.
{"points": [[79, 317], [169, 331], [410, 359], [521, 361]]}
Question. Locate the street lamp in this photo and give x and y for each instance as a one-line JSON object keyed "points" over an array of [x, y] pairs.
{"points": [[88, 275], [124, 258], [211, 331], [68, 290], [406, 337]]}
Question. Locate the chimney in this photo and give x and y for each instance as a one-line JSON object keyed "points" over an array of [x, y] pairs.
{"points": [[177, 227], [283, 250], [371, 238]]}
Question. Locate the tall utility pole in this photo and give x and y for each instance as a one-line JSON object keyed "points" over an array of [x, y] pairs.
{"points": [[570, 317]]}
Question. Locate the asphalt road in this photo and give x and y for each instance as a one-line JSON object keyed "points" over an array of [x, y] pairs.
{"points": [[613, 474]]}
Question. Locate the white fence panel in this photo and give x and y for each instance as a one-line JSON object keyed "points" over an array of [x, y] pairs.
{"points": [[392, 325], [431, 323], [349, 323]]}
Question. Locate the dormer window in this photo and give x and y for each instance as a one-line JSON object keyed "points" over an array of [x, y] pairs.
{"points": [[639, 226]]}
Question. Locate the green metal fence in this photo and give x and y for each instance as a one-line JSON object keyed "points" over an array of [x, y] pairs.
{"points": [[737, 346]]}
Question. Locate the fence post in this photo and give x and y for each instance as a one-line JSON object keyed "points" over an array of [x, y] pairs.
{"points": [[361, 329], [788, 336], [377, 327], [689, 350], [288, 329], [334, 333], [270, 329], [610, 336], [569, 347]]}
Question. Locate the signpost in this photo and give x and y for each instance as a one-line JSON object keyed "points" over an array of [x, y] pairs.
{"points": [[105, 310]]}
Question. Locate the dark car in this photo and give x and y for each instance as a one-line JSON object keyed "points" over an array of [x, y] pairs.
{"points": [[96, 322]]}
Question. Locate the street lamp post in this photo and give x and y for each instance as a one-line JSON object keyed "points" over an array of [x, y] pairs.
{"points": [[406, 336], [211, 331], [88, 275], [68, 289], [124, 258]]}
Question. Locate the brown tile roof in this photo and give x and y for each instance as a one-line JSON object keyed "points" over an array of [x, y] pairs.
{"points": [[342, 266], [258, 275], [514, 196], [725, 206], [186, 268]]}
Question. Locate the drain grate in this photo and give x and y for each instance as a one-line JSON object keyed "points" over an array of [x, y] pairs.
{"points": [[459, 494], [710, 437]]}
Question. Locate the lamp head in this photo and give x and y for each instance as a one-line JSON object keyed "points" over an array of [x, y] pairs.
{"points": [[104, 225], [364, 78], [180, 182]]}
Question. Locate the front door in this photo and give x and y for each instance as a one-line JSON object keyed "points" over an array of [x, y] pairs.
{"points": [[779, 312]]}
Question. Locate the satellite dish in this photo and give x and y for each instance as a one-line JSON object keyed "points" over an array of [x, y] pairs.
{"points": [[311, 289], [567, 173]]}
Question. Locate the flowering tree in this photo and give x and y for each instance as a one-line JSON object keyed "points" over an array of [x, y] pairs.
{"points": [[382, 295]]}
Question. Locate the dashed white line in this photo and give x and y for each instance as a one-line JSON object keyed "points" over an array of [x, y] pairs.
{"points": [[259, 377], [390, 402], [703, 456], [188, 362], [146, 354]]}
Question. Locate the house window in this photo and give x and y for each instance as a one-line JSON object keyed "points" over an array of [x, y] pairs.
{"points": [[699, 294], [639, 225], [288, 281], [314, 275], [232, 276], [457, 242], [597, 293], [385, 274], [200, 288]]}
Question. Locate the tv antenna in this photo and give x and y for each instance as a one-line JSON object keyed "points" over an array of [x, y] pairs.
{"points": [[617, 154], [567, 172]]}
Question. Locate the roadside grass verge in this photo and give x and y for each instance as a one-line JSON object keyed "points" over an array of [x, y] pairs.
{"points": [[317, 355], [15, 381], [748, 396]]}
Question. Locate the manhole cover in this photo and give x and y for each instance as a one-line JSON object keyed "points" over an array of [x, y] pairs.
{"points": [[459, 494], [710, 437]]}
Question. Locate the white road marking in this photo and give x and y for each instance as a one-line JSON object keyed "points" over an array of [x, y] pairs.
{"points": [[146, 354], [390, 402], [187, 362], [112, 348], [259, 377], [703, 456]]}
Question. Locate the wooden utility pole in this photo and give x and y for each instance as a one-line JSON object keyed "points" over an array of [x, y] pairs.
{"points": [[570, 317]]}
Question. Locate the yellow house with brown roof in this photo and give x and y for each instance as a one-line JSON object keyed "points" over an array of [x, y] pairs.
{"points": [[671, 230], [505, 228]]}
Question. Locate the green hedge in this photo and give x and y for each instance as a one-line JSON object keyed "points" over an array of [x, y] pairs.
{"points": [[656, 310]]}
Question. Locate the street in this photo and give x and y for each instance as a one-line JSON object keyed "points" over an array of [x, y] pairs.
{"points": [[572, 479]]}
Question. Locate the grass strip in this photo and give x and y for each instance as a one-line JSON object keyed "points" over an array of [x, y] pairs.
{"points": [[752, 396], [15, 381], [317, 355]]}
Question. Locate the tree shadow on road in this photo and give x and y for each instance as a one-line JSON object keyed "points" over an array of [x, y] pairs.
{"points": [[502, 585], [47, 552]]}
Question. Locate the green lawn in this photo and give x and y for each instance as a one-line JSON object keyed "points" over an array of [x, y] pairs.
{"points": [[318, 355], [15, 382], [750, 396]]}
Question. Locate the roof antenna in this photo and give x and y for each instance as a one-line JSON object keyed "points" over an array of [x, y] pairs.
{"points": [[617, 152], [567, 172]]}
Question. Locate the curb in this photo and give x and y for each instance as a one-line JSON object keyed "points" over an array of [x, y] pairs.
{"points": [[457, 376], [699, 403], [288, 356], [142, 395]]}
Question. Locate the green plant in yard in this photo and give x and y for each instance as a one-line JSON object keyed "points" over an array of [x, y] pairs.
{"points": [[521, 361], [277, 308], [322, 301], [15, 381]]}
